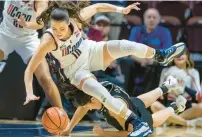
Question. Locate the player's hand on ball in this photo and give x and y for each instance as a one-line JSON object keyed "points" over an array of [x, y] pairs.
{"points": [[133, 6], [30, 97], [66, 133], [98, 131]]}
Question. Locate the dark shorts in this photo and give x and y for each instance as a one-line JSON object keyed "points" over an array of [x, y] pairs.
{"points": [[142, 111], [188, 104]]}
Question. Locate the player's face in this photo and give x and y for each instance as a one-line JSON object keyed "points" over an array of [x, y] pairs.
{"points": [[151, 19], [181, 60], [60, 28], [94, 104]]}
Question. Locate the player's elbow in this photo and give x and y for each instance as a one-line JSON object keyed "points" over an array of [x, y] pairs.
{"points": [[99, 7]]}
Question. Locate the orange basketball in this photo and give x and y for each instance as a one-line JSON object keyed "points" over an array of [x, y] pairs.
{"points": [[55, 120]]}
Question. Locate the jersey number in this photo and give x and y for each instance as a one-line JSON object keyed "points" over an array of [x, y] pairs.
{"points": [[76, 53]]}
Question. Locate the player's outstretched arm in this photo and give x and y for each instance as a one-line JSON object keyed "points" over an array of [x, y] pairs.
{"points": [[47, 44], [78, 115], [104, 7]]}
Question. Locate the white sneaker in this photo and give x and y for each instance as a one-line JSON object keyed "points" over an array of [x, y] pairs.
{"points": [[179, 105], [195, 122], [171, 83], [174, 86]]}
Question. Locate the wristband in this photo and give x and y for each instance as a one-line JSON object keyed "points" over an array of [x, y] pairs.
{"points": [[119, 9]]}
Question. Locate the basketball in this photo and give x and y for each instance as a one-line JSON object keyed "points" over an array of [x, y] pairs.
{"points": [[55, 120]]}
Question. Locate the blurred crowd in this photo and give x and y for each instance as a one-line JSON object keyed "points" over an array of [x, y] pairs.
{"points": [[159, 25]]}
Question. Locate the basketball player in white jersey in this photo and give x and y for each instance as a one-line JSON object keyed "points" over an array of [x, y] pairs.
{"points": [[78, 57], [18, 33]]}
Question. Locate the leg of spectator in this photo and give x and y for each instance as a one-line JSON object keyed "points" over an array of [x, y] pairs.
{"points": [[194, 112], [175, 119], [161, 116]]}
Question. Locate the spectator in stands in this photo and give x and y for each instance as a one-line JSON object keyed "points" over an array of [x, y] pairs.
{"points": [[183, 69], [101, 29], [151, 33], [115, 18], [155, 36]]}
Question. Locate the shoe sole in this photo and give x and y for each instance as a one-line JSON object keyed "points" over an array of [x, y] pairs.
{"points": [[147, 133], [141, 134], [178, 45]]}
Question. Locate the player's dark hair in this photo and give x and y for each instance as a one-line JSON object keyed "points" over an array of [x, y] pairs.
{"points": [[63, 10], [59, 15], [82, 98]]}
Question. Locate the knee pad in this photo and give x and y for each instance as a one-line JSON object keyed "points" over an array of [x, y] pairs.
{"points": [[79, 76], [119, 48]]}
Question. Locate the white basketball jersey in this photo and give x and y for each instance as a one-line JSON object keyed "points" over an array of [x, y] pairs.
{"points": [[14, 9], [68, 51]]}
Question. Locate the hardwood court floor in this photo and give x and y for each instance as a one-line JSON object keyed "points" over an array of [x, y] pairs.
{"points": [[35, 129]]}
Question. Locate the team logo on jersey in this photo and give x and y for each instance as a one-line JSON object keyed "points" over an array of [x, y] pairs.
{"points": [[63, 49], [14, 12], [71, 49]]}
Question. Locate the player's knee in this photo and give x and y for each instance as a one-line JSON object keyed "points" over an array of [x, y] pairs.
{"points": [[1, 55], [155, 107], [94, 88], [45, 81], [80, 78]]}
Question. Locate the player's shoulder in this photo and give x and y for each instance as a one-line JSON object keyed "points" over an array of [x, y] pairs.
{"points": [[48, 37]]}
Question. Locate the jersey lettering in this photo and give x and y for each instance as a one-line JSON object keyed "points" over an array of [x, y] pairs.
{"points": [[74, 49], [14, 12]]}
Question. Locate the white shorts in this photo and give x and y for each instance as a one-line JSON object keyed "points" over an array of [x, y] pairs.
{"points": [[90, 60], [25, 46]]}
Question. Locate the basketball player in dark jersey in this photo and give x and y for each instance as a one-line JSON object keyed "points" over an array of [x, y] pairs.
{"points": [[137, 105]]}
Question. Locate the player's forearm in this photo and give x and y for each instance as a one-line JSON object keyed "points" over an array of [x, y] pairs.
{"points": [[105, 7], [28, 78], [33, 25], [100, 7], [29, 72], [78, 115], [115, 134]]}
